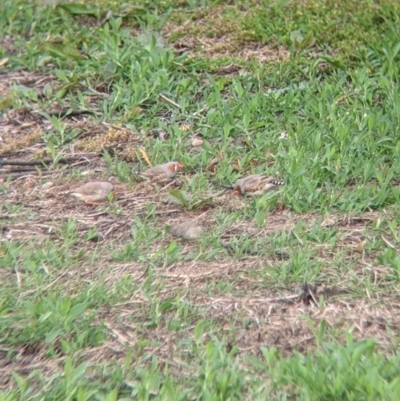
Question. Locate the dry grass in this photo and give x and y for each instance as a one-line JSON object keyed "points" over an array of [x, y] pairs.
{"points": [[272, 295], [214, 34], [275, 315]]}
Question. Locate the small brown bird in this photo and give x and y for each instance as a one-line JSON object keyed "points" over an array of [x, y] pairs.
{"points": [[93, 192], [186, 230], [162, 173], [255, 184]]}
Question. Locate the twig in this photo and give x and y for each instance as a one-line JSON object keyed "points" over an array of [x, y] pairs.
{"points": [[168, 185], [24, 169], [64, 160], [171, 275], [298, 238], [167, 211], [123, 339], [200, 111], [22, 162], [112, 126], [256, 301], [168, 100], [18, 277], [226, 186], [66, 112], [112, 228], [16, 176], [44, 288]]}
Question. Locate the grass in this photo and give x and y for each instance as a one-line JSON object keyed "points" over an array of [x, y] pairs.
{"points": [[292, 295]]}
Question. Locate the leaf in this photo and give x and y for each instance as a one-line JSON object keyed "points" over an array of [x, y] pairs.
{"points": [[172, 247], [255, 362], [62, 91], [211, 254], [199, 329], [145, 156], [50, 337], [47, 90], [5, 104], [22, 383], [393, 52], [308, 41], [113, 395], [79, 371], [62, 50], [336, 63], [110, 69], [166, 305], [296, 36], [132, 113], [178, 198], [61, 76], [321, 332], [201, 202], [278, 5], [246, 119], [127, 11], [80, 9], [44, 317], [174, 325], [76, 310]]}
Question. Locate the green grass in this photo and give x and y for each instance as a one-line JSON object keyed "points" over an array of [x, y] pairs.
{"points": [[288, 296]]}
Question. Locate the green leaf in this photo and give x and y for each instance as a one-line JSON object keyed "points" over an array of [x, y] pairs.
{"points": [[113, 395], [84, 395], [178, 197], [308, 41], [166, 305], [79, 371], [53, 335], [62, 91], [200, 203], [199, 329], [336, 63], [174, 325], [257, 363], [5, 103], [61, 76], [62, 50], [321, 331], [47, 90], [44, 317], [76, 310], [172, 246], [110, 69], [395, 388], [296, 37], [68, 369], [80, 9], [211, 254]]}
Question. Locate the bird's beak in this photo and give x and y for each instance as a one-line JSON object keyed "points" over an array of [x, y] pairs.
{"points": [[236, 193], [180, 165]]}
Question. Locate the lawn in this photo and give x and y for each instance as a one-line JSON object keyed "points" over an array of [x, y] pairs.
{"points": [[291, 295]]}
